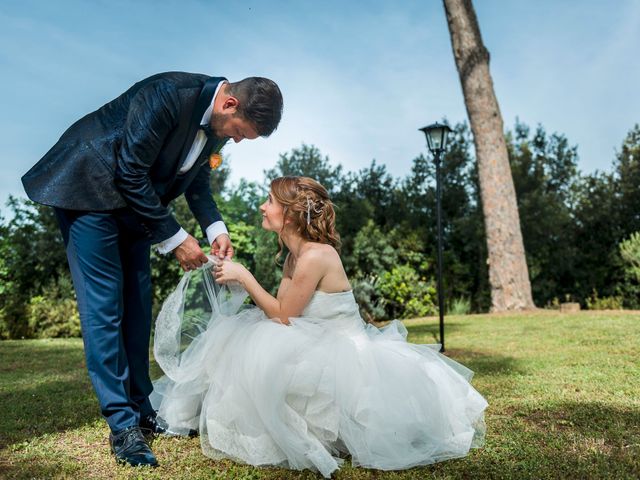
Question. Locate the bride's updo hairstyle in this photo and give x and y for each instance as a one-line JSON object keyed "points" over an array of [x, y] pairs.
{"points": [[307, 205]]}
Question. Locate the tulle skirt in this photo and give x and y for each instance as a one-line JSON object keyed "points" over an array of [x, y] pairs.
{"points": [[326, 387]]}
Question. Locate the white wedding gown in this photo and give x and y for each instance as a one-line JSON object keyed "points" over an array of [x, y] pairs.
{"points": [[305, 395]]}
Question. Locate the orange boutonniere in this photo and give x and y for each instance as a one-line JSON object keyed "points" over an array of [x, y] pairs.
{"points": [[215, 160]]}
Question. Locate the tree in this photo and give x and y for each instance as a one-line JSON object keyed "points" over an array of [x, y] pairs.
{"points": [[307, 161], [465, 258], [33, 263], [508, 273], [627, 172], [629, 288], [598, 232], [545, 175]]}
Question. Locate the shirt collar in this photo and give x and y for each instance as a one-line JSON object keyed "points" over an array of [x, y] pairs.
{"points": [[206, 118]]}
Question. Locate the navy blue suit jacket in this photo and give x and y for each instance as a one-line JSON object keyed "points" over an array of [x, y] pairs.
{"points": [[128, 154]]}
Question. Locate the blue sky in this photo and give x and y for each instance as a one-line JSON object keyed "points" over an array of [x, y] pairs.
{"points": [[358, 78]]}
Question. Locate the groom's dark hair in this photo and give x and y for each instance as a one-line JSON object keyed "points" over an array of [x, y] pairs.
{"points": [[260, 102]]}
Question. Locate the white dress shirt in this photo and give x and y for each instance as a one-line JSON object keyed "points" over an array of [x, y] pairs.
{"points": [[216, 228]]}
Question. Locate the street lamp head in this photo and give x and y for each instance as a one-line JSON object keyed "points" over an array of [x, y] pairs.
{"points": [[437, 135]]}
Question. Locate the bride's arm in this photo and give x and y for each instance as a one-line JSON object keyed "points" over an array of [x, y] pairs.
{"points": [[287, 271], [309, 271]]}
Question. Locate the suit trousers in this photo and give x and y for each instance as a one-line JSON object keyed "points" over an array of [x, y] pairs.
{"points": [[108, 254]]}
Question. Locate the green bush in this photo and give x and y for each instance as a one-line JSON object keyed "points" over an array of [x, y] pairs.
{"points": [[630, 252], [460, 306], [373, 252], [367, 296], [629, 287], [55, 319], [406, 294], [54, 313], [594, 302]]}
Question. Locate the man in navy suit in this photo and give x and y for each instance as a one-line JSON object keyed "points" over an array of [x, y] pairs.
{"points": [[110, 178]]}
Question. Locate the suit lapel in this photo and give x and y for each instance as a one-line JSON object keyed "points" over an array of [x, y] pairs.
{"points": [[203, 102], [181, 183]]}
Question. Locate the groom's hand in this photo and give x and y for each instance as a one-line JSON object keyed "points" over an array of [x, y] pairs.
{"points": [[221, 247], [190, 255]]}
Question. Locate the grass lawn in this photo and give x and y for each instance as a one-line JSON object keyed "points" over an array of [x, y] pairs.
{"points": [[563, 390]]}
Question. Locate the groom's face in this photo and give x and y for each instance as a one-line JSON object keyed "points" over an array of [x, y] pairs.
{"points": [[232, 126], [226, 122]]}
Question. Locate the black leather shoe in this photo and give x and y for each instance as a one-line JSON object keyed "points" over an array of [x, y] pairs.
{"points": [[151, 424], [154, 425], [129, 446]]}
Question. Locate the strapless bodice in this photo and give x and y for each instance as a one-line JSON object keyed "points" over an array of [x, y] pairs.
{"points": [[333, 309]]}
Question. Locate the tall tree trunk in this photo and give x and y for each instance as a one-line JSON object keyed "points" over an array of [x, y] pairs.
{"points": [[508, 273]]}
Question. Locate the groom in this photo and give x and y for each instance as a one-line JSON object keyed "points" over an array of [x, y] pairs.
{"points": [[110, 178]]}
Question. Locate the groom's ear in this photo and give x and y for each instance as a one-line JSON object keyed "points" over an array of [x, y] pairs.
{"points": [[230, 104]]}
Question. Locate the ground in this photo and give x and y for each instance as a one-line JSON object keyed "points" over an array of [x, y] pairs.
{"points": [[563, 390]]}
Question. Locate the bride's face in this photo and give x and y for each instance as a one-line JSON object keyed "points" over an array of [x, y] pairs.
{"points": [[272, 214]]}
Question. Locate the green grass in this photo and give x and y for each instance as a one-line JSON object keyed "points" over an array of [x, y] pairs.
{"points": [[563, 389]]}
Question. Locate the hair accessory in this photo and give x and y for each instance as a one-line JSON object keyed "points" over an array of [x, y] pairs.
{"points": [[315, 206]]}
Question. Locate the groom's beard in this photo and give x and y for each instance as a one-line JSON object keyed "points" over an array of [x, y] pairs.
{"points": [[218, 123]]}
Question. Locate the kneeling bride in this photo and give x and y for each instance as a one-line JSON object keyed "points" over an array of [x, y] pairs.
{"points": [[301, 381]]}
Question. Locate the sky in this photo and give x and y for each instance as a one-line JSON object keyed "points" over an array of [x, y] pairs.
{"points": [[358, 78]]}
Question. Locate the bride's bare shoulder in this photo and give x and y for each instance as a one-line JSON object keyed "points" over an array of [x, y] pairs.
{"points": [[321, 256], [321, 251]]}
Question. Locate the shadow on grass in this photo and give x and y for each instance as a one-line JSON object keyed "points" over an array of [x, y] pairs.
{"points": [[564, 440], [45, 389], [47, 408], [423, 332], [619, 426], [44, 357], [35, 470], [487, 363], [560, 440], [537, 463]]}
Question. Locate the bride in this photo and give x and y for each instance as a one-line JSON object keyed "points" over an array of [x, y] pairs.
{"points": [[301, 381]]}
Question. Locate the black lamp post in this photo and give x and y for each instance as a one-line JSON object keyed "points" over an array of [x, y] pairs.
{"points": [[437, 142]]}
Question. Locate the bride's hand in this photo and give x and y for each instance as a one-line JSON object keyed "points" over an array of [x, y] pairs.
{"points": [[229, 271]]}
